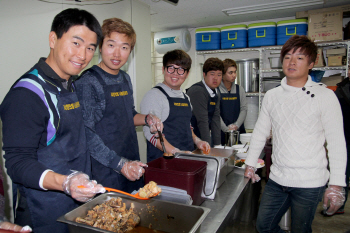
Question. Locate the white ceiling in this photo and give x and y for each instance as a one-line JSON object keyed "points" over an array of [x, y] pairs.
{"points": [[204, 13]]}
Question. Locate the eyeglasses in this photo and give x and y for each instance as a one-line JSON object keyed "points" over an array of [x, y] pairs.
{"points": [[180, 70]]}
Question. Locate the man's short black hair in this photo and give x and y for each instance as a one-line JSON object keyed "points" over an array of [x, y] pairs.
{"points": [[74, 17]]}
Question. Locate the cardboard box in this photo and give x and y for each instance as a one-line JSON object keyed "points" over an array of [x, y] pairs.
{"points": [[336, 52], [335, 60], [332, 80], [326, 26], [305, 14], [319, 59]]}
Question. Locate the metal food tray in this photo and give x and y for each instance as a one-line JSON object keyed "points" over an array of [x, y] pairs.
{"points": [[228, 154], [162, 215]]}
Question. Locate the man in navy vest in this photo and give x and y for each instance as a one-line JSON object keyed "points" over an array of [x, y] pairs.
{"points": [[43, 130], [168, 101], [206, 102]]}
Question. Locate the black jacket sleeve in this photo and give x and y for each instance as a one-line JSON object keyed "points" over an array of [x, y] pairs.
{"points": [[24, 118]]}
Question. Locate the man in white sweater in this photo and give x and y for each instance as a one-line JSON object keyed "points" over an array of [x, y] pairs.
{"points": [[302, 115]]}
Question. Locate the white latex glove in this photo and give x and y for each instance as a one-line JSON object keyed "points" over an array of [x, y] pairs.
{"points": [[133, 170], [154, 123], [176, 150], [202, 145], [335, 196], [250, 173], [87, 188], [13, 227], [232, 127]]}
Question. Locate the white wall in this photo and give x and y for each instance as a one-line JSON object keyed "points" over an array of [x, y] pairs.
{"points": [[25, 26]]}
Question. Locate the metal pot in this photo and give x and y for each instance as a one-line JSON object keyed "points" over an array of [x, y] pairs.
{"points": [[248, 74], [231, 137]]}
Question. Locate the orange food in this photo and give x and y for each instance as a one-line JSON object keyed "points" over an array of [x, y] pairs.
{"points": [[206, 151]]}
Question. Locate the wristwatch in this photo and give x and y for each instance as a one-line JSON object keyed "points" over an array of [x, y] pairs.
{"points": [[146, 124]]}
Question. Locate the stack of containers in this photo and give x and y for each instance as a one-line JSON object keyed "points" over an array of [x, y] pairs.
{"points": [[208, 39], [262, 34], [288, 28], [233, 37]]}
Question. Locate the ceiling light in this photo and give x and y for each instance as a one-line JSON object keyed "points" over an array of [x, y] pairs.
{"points": [[271, 6]]}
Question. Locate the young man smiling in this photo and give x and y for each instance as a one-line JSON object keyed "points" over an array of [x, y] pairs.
{"points": [[44, 136], [174, 108], [106, 96], [206, 103], [302, 115]]}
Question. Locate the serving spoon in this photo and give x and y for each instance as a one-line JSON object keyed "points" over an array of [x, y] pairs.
{"points": [[119, 191]]}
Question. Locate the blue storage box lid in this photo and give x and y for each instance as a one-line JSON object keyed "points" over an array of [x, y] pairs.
{"points": [[205, 30], [234, 27], [260, 25], [290, 22]]}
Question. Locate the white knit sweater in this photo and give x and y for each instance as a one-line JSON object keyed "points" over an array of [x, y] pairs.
{"points": [[301, 122]]}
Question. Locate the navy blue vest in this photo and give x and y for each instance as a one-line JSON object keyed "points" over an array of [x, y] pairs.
{"points": [[177, 128], [65, 151], [117, 131], [230, 107], [211, 110]]}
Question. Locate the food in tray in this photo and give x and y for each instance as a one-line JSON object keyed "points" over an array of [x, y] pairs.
{"points": [[241, 163], [168, 154], [112, 215], [207, 151], [150, 190]]}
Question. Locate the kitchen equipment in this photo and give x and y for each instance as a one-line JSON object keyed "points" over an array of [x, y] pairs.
{"points": [[269, 83], [184, 174], [248, 74], [242, 155], [275, 63], [288, 28], [174, 195], [245, 137], [235, 36], [161, 215], [212, 175], [208, 39], [170, 156], [226, 158], [231, 137], [262, 34], [119, 191]]}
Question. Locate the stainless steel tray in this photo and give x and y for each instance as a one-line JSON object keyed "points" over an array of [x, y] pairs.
{"points": [[164, 216]]}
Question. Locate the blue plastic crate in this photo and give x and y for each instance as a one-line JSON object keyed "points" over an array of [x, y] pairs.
{"points": [[208, 39], [235, 36], [261, 34], [289, 28]]}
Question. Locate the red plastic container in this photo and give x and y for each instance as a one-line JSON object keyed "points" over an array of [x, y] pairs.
{"points": [[179, 173]]}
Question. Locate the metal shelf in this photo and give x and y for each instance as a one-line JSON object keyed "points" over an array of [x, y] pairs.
{"points": [[264, 49]]}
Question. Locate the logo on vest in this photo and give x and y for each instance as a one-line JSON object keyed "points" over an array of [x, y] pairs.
{"points": [[71, 106], [212, 103], [181, 104], [121, 93], [229, 98]]}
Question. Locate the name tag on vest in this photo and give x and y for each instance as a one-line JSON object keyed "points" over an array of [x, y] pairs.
{"points": [[71, 106], [212, 103], [121, 93], [229, 98], [181, 104]]}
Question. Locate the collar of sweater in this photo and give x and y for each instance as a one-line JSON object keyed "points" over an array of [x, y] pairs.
{"points": [[286, 91]]}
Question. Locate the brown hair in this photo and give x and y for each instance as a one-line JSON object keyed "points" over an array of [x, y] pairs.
{"points": [[228, 63], [177, 57], [307, 47], [213, 63], [120, 26]]}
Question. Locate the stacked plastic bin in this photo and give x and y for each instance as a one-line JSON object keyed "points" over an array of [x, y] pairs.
{"points": [[208, 39], [289, 28], [261, 34], [233, 37]]}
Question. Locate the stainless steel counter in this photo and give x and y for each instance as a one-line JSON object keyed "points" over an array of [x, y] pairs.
{"points": [[228, 197]]}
